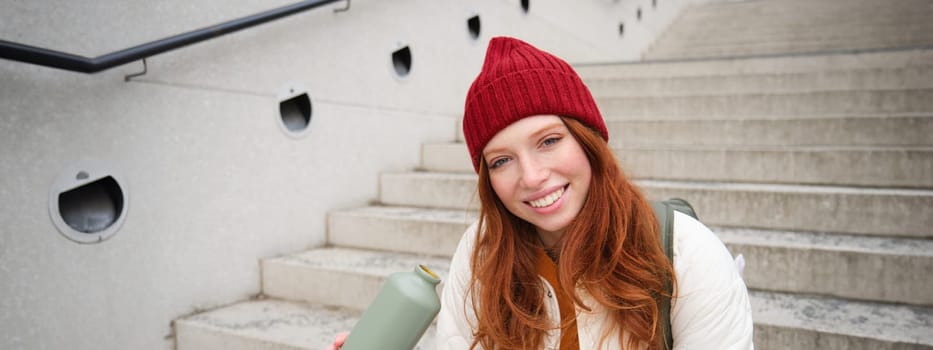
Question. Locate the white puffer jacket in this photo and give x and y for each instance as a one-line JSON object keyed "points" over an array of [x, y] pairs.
{"points": [[710, 311]]}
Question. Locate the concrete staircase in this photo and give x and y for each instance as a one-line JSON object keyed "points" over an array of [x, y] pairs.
{"points": [[751, 27], [817, 167]]}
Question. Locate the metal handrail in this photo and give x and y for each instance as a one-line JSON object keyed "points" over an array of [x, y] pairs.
{"points": [[62, 60]]}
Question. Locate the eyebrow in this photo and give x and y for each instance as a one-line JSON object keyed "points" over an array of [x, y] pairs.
{"points": [[537, 134], [547, 129]]}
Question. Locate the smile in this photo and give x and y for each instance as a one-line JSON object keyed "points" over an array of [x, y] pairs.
{"points": [[548, 199]]}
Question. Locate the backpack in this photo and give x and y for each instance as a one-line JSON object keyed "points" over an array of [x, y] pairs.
{"points": [[664, 211]]}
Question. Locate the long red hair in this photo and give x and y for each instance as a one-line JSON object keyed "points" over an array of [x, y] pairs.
{"points": [[611, 250]]}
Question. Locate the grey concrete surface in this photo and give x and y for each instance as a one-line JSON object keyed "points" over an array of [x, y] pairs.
{"points": [[780, 27], [838, 166], [339, 276], [818, 64], [918, 77], [429, 189], [786, 321], [868, 211], [399, 229], [882, 130], [823, 103], [851, 267], [264, 324], [271, 324]]}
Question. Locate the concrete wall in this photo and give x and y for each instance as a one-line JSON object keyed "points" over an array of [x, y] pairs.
{"points": [[212, 181]]}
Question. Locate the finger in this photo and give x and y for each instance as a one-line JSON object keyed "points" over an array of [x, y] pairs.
{"points": [[341, 338]]}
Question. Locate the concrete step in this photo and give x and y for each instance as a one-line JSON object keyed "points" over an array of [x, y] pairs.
{"points": [[871, 211], [341, 277], [918, 77], [776, 27], [270, 324], [892, 130], [768, 6], [446, 157], [429, 190], [882, 269], [399, 229], [820, 103], [804, 18], [818, 64], [857, 267], [853, 166], [789, 321], [782, 321], [915, 29], [867, 211], [878, 167], [804, 10], [725, 14], [682, 51], [846, 16]]}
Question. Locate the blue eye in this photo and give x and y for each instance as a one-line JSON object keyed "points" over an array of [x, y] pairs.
{"points": [[550, 141], [497, 163]]}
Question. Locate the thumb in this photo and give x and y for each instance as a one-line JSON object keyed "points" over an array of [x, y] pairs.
{"points": [[341, 338]]}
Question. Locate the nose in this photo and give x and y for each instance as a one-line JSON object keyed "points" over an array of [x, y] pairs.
{"points": [[534, 172]]}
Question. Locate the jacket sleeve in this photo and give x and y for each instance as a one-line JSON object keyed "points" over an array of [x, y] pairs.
{"points": [[454, 330], [711, 309]]}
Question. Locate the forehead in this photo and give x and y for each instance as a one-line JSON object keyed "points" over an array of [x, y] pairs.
{"points": [[522, 129]]}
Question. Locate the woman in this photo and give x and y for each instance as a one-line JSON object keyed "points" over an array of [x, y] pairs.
{"points": [[566, 253]]}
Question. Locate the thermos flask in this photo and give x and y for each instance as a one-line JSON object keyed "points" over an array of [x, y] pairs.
{"points": [[400, 313]]}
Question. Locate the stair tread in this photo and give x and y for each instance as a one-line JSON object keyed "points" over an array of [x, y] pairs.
{"points": [[790, 188], [313, 326], [821, 63], [827, 241], [293, 324], [896, 323], [758, 94], [455, 216], [364, 262], [768, 117]]}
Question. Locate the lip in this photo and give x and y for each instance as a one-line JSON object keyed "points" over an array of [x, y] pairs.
{"points": [[554, 206], [543, 193]]}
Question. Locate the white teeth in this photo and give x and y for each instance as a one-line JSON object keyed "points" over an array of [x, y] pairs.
{"points": [[547, 200]]}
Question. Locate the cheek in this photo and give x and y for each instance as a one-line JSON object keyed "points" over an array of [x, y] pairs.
{"points": [[581, 165], [499, 187]]}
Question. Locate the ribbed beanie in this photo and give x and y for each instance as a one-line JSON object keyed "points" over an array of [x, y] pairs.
{"points": [[517, 81]]}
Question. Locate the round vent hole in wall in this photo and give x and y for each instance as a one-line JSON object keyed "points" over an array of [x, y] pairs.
{"points": [[401, 61], [295, 109], [93, 207], [473, 26], [87, 203], [525, 5], [296, 112]]}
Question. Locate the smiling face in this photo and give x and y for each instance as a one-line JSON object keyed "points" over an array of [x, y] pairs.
{"points": [[539, 172]]}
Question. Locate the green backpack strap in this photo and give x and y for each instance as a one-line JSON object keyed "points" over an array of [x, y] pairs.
{"points": [[664, 211]]}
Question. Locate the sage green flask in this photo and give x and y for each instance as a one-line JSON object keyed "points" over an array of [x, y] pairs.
{"points": [[402, 311]]}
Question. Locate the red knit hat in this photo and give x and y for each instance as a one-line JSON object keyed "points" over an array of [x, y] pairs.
{"points": [[518, 81]]}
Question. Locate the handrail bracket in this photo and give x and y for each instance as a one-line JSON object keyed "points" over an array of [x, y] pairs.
{"points": [[347, 8], [139, 74]]}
